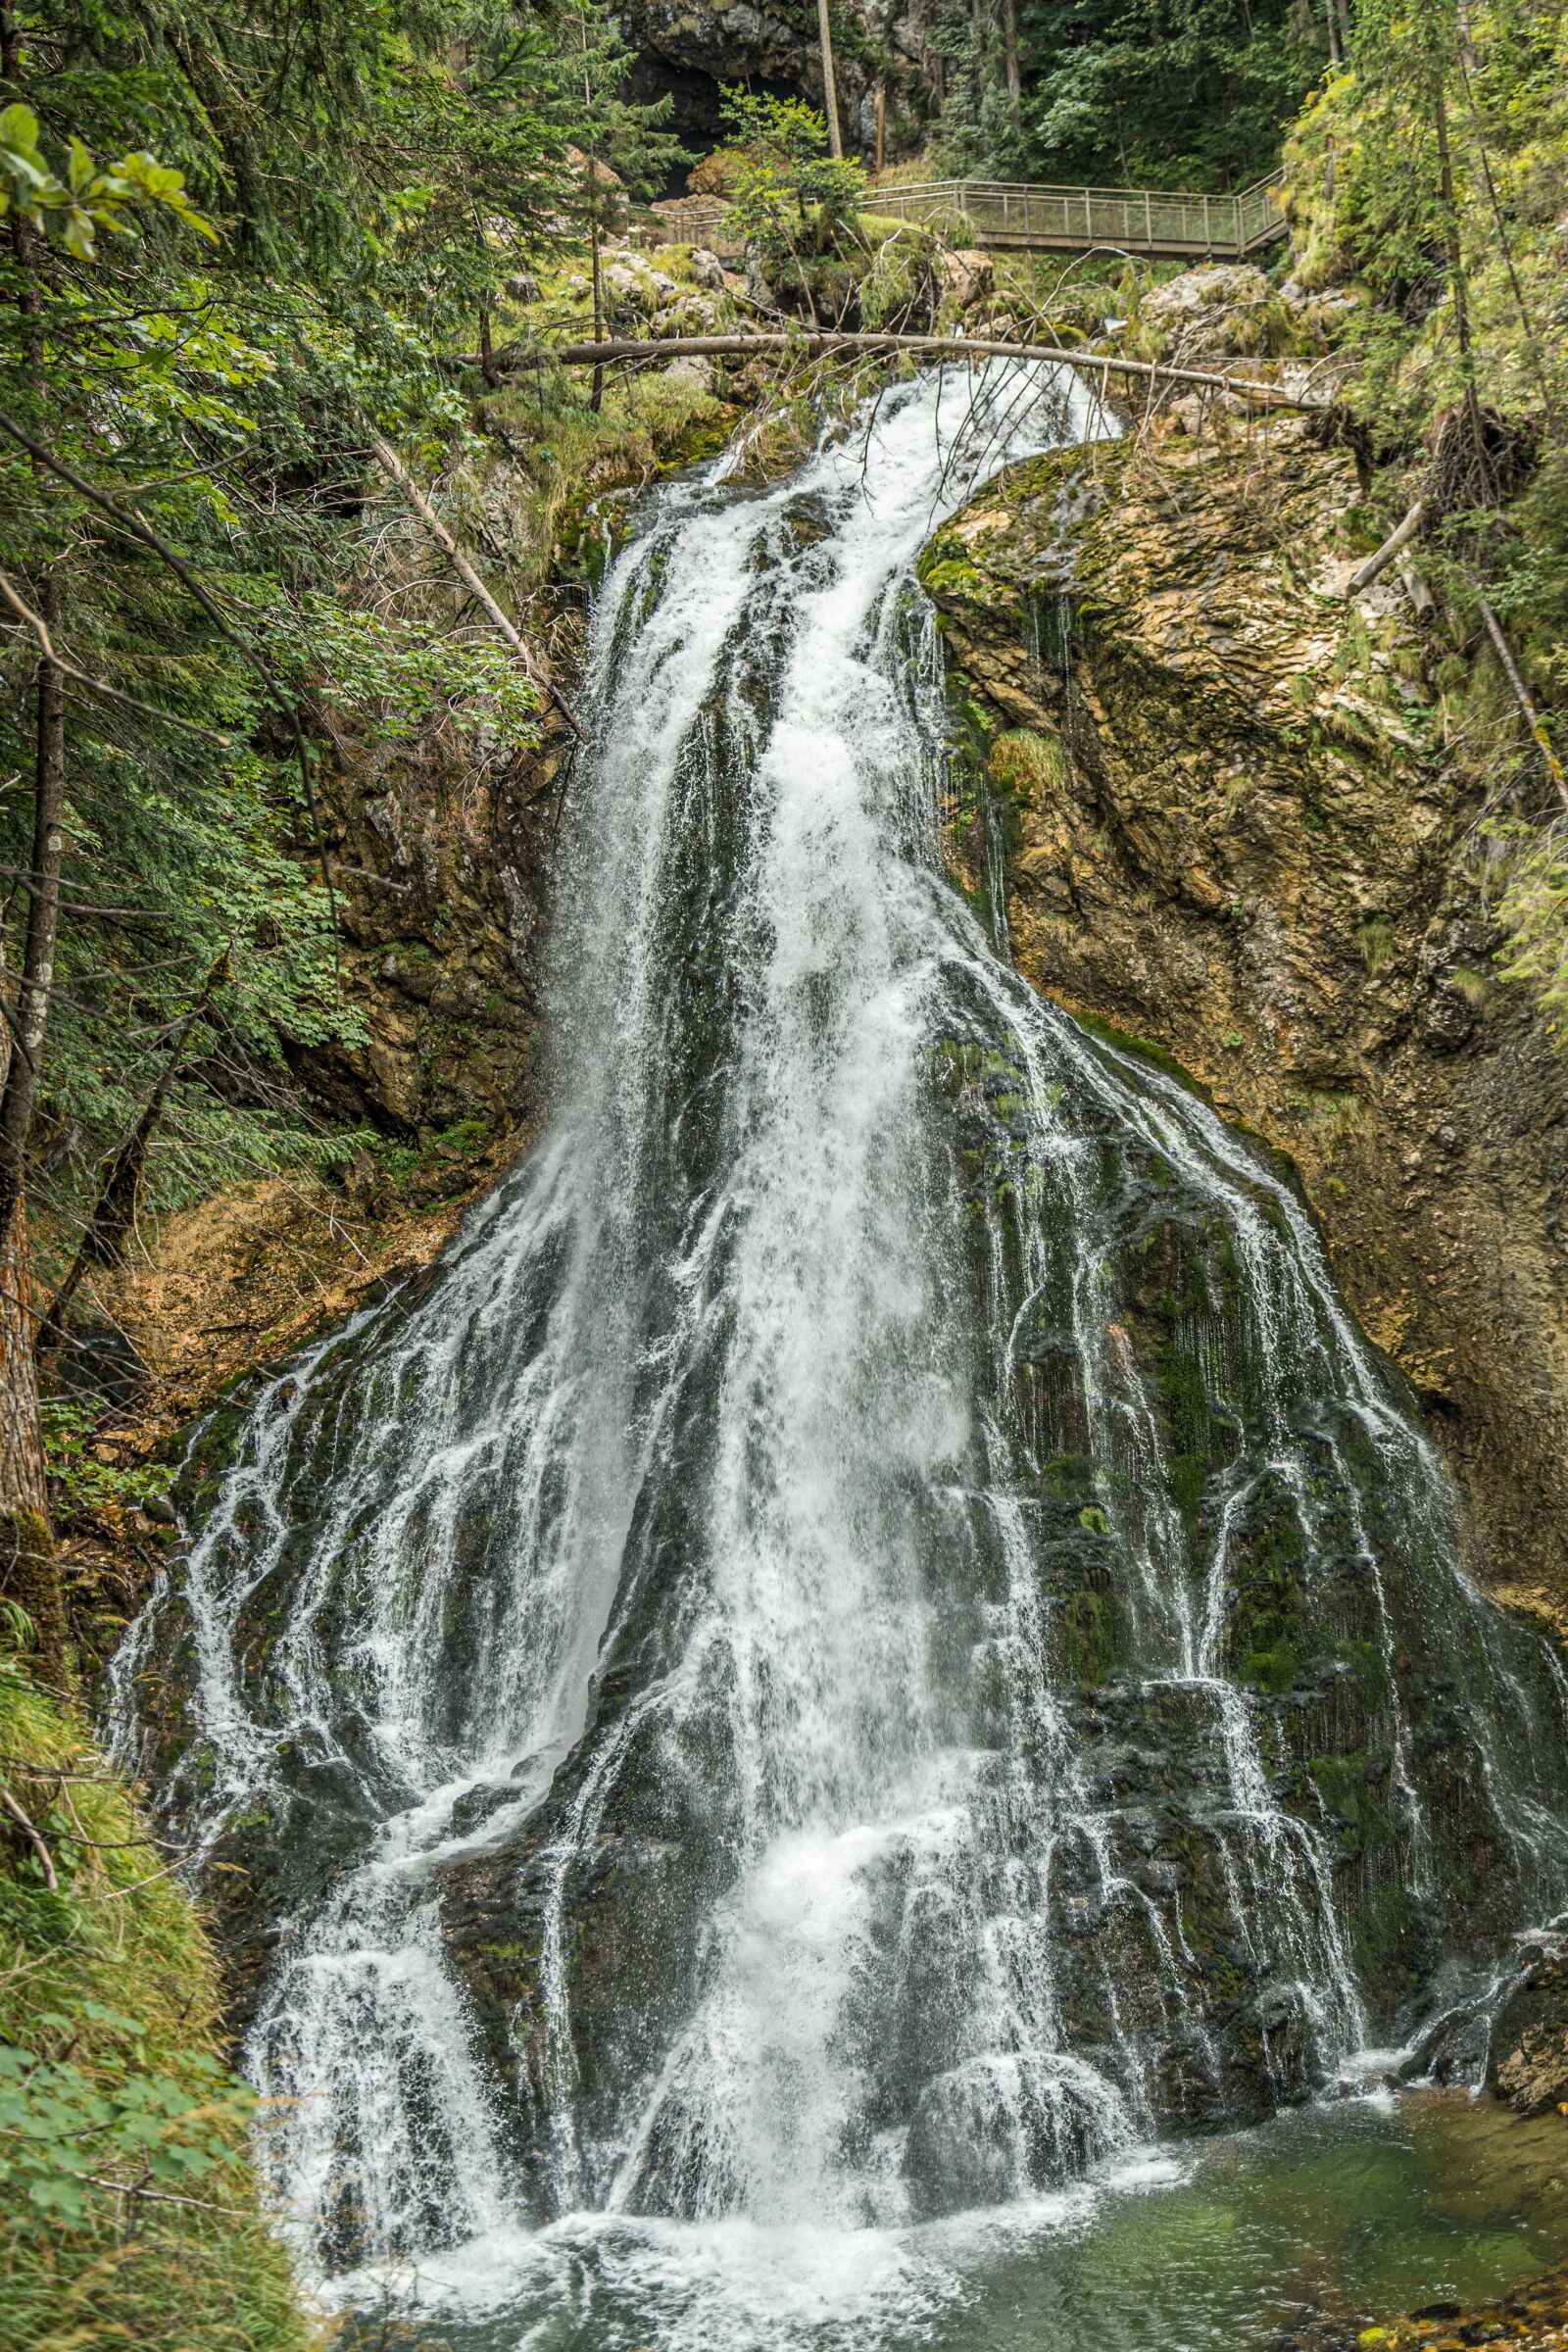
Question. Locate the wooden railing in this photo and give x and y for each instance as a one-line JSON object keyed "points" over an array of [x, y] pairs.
{"points": [[986, 212]]}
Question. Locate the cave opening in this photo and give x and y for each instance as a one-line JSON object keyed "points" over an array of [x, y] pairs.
{"points": [[694, 116]]}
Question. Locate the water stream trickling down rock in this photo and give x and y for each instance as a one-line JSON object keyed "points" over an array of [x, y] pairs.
{"points": [[875, 1636]]}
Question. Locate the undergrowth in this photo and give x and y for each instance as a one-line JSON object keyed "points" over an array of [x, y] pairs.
{"points": [[128, 2210]]}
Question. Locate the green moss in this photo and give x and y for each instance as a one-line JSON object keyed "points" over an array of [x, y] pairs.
{"points": [[952, 576], [110, 1979], [1144, 1048], [1066, 1476]]}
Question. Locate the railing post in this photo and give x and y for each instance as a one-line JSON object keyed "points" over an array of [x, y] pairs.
{"points": [[1148, 221], [1208, 239]]}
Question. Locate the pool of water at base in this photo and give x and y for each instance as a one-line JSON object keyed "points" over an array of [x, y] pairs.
{"points": [[1358, 2210]]}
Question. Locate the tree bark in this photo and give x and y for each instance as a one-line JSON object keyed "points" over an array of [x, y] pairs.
{"points": [[831, 340], [37, 980], [29, 1573], [1377, 565], [830, 87], [1009, 35]]}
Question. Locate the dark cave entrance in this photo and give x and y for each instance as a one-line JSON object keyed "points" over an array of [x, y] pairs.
{"points": [[694, 115]]}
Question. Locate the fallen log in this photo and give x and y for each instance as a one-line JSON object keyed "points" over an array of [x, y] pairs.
{"points": [[1377, 565], [835, 339]]}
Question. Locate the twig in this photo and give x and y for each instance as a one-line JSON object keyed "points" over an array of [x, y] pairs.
{"points": [[167, 2196], [117, 694], [33, 1840]]}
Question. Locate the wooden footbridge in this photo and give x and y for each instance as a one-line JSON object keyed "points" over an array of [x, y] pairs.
{"points": [[1041, 219]]}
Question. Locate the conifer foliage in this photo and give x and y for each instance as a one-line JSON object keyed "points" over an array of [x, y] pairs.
{"points": [[235, 244]]}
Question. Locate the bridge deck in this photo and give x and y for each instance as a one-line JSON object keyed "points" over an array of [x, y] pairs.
{"points": [[1030, 218]]}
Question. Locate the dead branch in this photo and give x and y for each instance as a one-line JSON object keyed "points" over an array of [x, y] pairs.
{"points": [[1521, 694], [958, 347], [392, 464], [34, 1840], [1377, 565]]}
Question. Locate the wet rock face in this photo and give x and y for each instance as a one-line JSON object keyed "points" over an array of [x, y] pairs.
{"points": [[1191, 1961], [439, 848], [1529, 2065], [1230, 828]]}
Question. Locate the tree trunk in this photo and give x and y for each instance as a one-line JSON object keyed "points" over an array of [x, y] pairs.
{"points": [[1462, 301], [37, 982], [106, 1235], [881, 125], [1009, 35], [596, 398], [28, 1574], [830, 87]]}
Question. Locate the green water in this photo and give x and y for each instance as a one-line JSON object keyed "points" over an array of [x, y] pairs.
{"points": [[1347, 2212], [1358, 2212]]}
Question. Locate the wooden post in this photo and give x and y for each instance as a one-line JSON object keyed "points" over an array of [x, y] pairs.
{"points": [[1148, 221]]}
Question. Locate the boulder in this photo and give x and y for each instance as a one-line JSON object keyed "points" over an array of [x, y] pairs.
{"points": [[692, 370], [1225, 310], [967, 275]]}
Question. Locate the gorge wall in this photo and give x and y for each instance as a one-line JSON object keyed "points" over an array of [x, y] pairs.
{"points": [[1231, 830], [687, 50]]}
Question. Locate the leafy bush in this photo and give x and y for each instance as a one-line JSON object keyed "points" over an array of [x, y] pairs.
{"points": [[786, 190]]}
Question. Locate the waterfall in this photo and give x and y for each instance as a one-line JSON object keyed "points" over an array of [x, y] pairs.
{"points": [[877, 1634]]}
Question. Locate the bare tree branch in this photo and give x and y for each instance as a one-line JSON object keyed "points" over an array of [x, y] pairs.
{"points": [[957, 347], [33, 1840], [117, 694], [386, 456]]}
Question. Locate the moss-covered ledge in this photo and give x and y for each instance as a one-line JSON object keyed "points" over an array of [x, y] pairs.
{"points": [[1231, 828]]}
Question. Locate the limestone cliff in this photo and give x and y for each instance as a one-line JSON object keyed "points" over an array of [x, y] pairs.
{"points": [[1232, 829]]}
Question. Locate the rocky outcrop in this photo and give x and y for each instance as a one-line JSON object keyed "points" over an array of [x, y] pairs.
{"points": [[1232, 829], [1529, 2042], [438, 862], [687, 52]]}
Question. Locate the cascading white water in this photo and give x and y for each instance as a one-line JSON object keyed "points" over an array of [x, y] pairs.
{"points": [[712, 1520]]}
